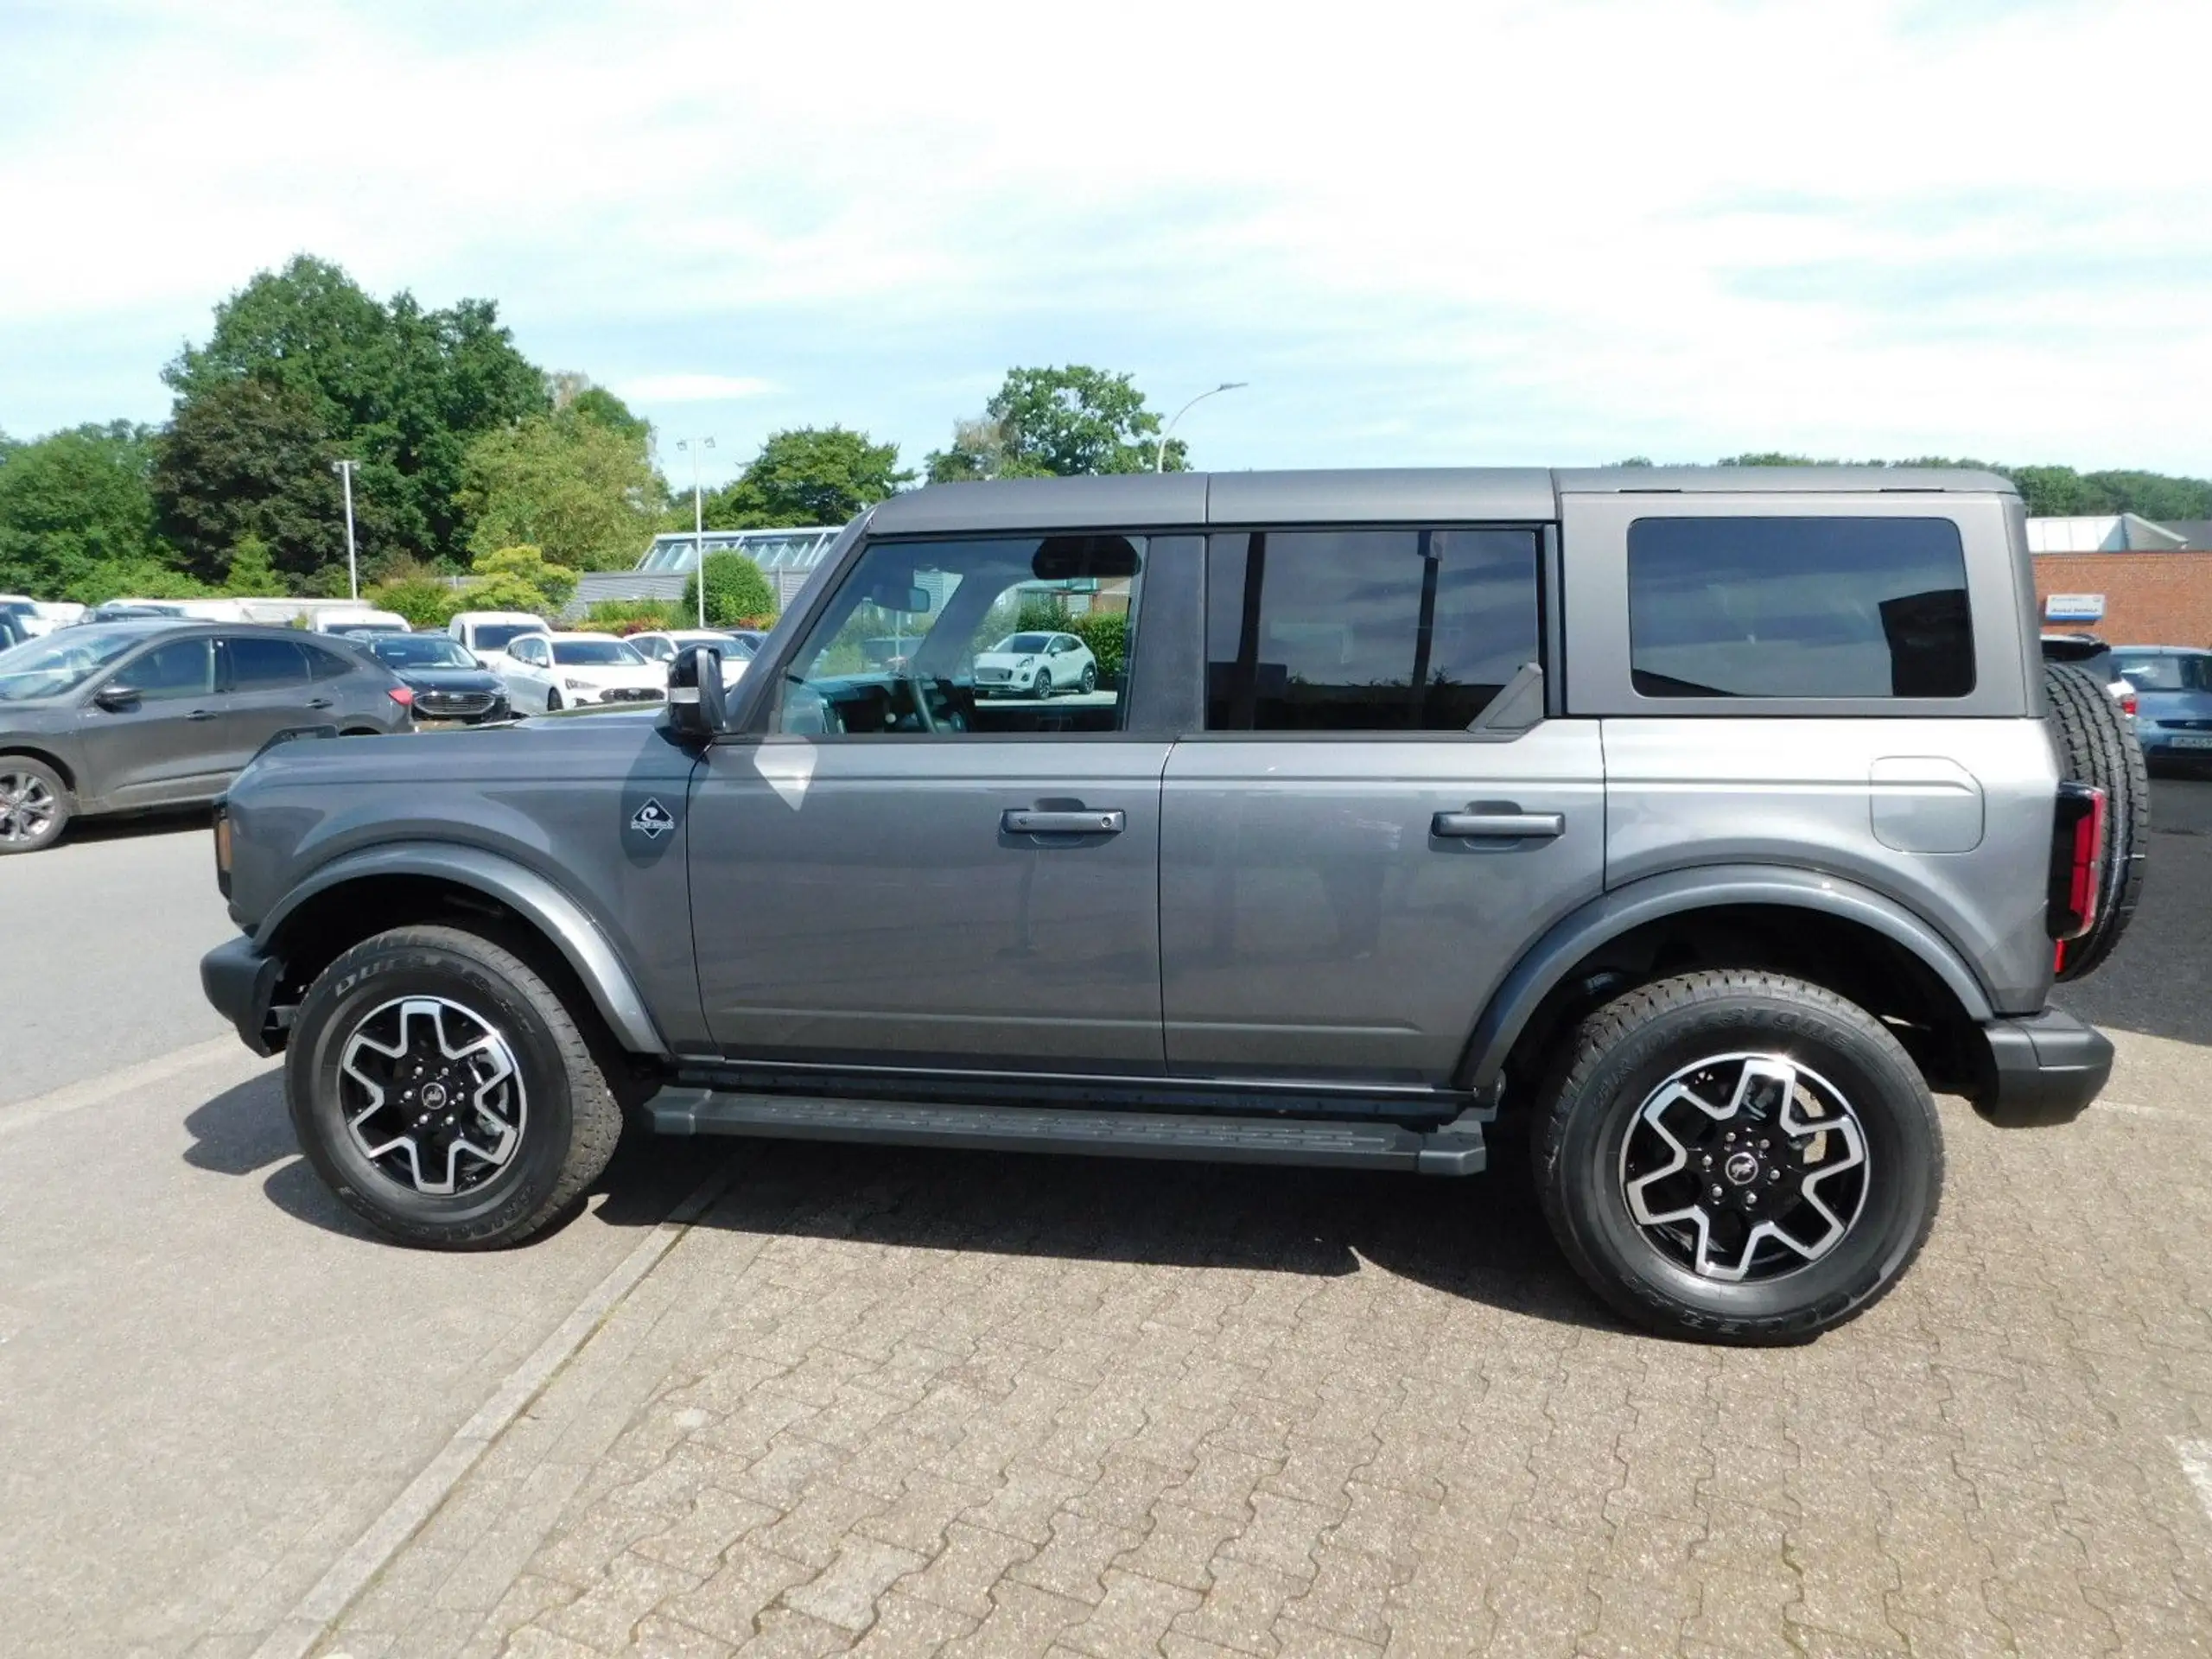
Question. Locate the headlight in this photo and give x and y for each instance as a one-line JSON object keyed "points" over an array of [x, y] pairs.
{"points": [[576, 686], [1026, 662]]}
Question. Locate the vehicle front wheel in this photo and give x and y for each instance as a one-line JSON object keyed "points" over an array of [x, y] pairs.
{"points": [[552, 702], [1089, 681], [1043, 688], [1738, 1157], [34, 805], [441, 1088]]}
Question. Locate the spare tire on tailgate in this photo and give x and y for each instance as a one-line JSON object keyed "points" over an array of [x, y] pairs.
{"points": [[2095, 747]]}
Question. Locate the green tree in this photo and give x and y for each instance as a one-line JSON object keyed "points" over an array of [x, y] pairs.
{"points": [[251, 458], [425, 601], [583, 491], [1063, 422], [252, 574], [75, 503], [555, 584], [402, 389], [738, 594], [808, 475], [571, 391], [504, 591]]}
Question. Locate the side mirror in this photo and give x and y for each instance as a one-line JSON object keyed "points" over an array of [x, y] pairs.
{"points": [[697, 705], [116, 699]]}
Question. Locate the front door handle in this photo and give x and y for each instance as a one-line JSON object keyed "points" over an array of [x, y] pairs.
{"points": [[319, 703], [201, 713], [1498, 826], [1028, 821]]}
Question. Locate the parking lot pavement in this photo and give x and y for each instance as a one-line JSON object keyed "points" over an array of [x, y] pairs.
{"points": [[105, 933], [904, 1402]]}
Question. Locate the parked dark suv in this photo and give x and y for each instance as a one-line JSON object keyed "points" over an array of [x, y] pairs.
{"points": [[126, 716], [1687, 829]]}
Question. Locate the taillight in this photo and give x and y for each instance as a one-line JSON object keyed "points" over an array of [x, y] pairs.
{"points": [[2128, 704], [2078, 862], [404, 696]]}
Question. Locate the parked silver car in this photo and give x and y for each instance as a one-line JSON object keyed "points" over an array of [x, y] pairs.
{"points": [[127, 715], [1695, 825]]}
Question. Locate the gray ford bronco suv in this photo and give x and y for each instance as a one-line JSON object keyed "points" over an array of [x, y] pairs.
{"points": [[1683, 829]]}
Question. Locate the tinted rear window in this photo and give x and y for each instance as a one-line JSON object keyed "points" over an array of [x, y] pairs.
{"points": [[1798, 607]]}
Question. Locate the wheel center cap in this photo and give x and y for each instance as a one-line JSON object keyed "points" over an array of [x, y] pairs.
{"points": [[434, 1098], [1741, 1169]]}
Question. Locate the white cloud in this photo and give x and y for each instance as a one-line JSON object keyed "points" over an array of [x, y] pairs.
{"points": [[692, 388], [1560, 230]]}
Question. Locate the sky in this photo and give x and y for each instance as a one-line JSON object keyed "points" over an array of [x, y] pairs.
{"points": [[1466, 233]]}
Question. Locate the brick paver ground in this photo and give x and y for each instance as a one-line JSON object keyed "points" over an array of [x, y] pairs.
{"points": [[902, 1403]]}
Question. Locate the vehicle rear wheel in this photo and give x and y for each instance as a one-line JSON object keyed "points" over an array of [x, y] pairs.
{"points": [[1738, 1157], [2095, 747], [441, 1088], [34, 805]]}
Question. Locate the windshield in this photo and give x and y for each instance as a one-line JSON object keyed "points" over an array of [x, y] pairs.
{"points": [[2175, 673], [497, 636], [1021, 642], [420, 651], [740, 647], [62, 662], [595, 653]]}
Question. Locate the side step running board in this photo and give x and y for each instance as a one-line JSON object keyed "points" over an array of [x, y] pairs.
{"points": [[1456, 1150]]}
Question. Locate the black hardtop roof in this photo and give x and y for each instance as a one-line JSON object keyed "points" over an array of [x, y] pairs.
{"points": [[1379, 495]]}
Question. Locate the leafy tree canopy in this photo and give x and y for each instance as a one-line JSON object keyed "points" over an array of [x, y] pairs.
{"points": [[402, 389], [251, 459], [74, 503], [555, 584], [1057, 422], [738, 594], [571, 391], [809, 475], [252, 573], [583, 491]]}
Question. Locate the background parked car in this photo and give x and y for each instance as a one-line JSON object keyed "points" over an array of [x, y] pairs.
{"points": [[2173, 693], [568, 670], [360, 622], [1035, 664], [661, 646], [447, 683], [486, 635], [124, 717], [2093, 656], [13, 630]]}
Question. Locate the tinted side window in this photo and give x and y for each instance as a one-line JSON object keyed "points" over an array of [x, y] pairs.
{"points": [[265, 664], [185, 668], [1798, 607], [1365, 631], [326, 665]]}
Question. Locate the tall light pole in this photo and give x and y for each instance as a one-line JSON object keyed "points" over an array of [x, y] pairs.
{"points": [[698, 520], [1160, 459], [345, 471]]}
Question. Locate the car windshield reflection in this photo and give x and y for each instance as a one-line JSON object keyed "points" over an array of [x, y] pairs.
{"points": [[54, 666]]}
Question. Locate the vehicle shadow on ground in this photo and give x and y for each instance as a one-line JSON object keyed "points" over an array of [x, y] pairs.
{"points": [[1482, 1239], [128, 827]]}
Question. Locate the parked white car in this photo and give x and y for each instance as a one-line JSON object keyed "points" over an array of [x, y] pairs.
{"points": [[487, 634], [662, 645], [1035, 665], [567, 670]]}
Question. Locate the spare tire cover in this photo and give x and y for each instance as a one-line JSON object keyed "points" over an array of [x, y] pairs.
{"points": [[2095, 746]]}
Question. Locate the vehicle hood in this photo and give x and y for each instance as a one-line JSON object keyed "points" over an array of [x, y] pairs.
{"points": [[463, 680], [645, 674]]}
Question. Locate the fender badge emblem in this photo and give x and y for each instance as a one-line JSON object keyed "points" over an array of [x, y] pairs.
{"points": [[652, 821]]}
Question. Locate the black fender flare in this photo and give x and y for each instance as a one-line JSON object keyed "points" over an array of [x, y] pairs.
{"points": [[1680, 893], [539, 901]]}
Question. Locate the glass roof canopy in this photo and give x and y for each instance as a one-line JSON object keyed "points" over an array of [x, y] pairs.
{"points": [[673, 553]]}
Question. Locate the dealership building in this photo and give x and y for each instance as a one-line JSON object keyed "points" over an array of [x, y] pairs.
{"points": [[2129, 579]]}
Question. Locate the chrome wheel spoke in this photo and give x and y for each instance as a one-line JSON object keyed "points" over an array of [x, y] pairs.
{"points": [[1744, 1167], [431, 1095]]}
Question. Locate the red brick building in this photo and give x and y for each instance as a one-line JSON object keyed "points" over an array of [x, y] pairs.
{"points": [[2150, 599]]}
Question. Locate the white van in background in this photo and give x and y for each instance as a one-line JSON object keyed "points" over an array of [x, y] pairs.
{"points": [[485, 634], [364, 620]]}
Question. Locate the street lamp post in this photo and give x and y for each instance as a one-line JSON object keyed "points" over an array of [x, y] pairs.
{"points": [[345, 471], [1160, 457], [698, 520]]}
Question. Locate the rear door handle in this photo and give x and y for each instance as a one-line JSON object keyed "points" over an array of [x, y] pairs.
{"points": [[1026, 821], [1498, 826]]}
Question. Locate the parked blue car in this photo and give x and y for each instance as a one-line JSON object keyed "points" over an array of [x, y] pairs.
{"points": [[2173, 688]]}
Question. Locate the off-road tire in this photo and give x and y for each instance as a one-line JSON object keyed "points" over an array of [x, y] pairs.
{"points": [[573, 1122], [1626, 1049], [62, 809], [2095, 747]]}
